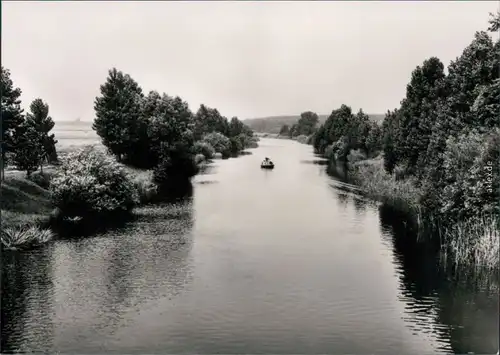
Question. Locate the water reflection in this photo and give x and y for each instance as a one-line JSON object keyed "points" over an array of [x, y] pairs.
{"points": [[100, 282], [338, 170], [459, 313], [27, 301], [315, 161]]}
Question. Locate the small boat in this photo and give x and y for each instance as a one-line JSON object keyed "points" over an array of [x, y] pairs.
{"points": [[267, 164]]}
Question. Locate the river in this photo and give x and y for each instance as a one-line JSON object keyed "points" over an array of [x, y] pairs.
{"points": [[252, 261]]}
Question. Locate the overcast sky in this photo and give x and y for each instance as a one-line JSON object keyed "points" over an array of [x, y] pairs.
{"points": [[249, 59]]}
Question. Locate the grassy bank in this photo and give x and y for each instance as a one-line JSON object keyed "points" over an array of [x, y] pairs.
{"points": [[28, 211], [474, 242]]}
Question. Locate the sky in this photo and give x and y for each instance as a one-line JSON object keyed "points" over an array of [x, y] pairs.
{"points": [[247, 59]]}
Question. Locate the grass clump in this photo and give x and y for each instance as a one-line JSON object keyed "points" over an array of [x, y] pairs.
{"points": [[24, 237], [475, 242], [379, 185]]}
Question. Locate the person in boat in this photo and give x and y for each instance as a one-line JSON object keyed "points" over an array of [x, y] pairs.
{"points": [[267, 161]]}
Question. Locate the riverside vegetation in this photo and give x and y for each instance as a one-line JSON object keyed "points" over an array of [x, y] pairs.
{"points": [[149, 144], [436, 156]]}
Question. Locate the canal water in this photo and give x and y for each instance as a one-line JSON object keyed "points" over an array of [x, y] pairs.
{"points": [[250, 261]]}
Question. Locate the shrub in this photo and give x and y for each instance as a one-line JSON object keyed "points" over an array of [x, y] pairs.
{"points": [[91, 182], [301, 139], [472, 183], [330, 152], [199, 158], [236, 144], [41, 179], [219, 142], [355, 156], [204, 148], [26, 237], [174, 165], [146, 189]]}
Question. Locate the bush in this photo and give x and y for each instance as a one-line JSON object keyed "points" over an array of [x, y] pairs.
{"points": [[204, 148], [330, 152], [219, 142], [23, 238], [41, 179], [472, 183], [355, 156], [146, 190], [199, 158], [236, 144], [91, 182], [174, 165]]}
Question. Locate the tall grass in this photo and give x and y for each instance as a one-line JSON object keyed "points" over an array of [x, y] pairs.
{"points": [[24, 237], [381, 186], [475, 242]]}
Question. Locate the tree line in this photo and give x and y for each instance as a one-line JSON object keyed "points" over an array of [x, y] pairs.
{"points": [[153, 131], [160, 132], [444, 137], [27, 142]]}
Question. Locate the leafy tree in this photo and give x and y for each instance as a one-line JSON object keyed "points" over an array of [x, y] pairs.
{"points": [[235, 127], [11, 115], [219, 142], [118, 114], [284, 131], [373, 142], [170, 134], [40, 121], [28, 151], [422, 94], [357, 131], [390, 134], [475, 68], [307, 123], [494, 22], [208, 120]]}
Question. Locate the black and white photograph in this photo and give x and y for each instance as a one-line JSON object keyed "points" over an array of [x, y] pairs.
{"points": [[250, 177]]}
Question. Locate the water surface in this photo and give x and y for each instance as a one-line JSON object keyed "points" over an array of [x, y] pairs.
{"points": [[252, 261]]}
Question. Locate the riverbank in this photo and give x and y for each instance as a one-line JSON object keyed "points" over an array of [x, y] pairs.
{"points": [[29, 216], [473, 242], [470, 243]]}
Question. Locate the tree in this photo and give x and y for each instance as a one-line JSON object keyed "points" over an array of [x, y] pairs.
{"points": [[29, 150], [373, 143], [235, 127], [284, 131], [390, 134], [118, 114], [219, 142], [494, 22], [208, 120], [307, 123], [40, 122], [476, 67], [11, 115], [422, 94]]}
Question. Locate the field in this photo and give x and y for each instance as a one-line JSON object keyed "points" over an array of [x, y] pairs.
{"points": [[72, 134], [273, 124]]}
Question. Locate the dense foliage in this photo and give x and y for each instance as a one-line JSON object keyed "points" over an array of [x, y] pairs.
{"points": [[26, 140], [344, 131], [91, 183], [11, 114], [33, 142], [160, 132], [443, 140]]}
